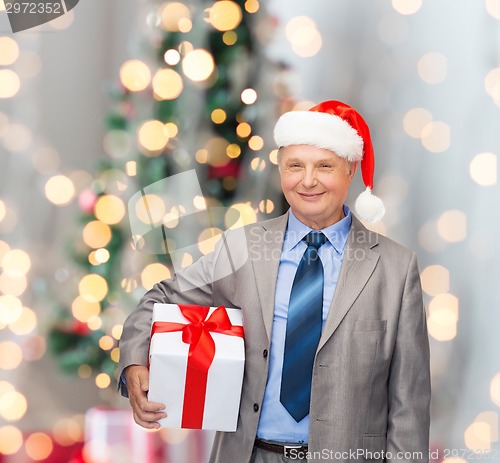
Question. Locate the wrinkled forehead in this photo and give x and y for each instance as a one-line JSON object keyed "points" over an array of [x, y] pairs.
{"points": [[308, 153]]}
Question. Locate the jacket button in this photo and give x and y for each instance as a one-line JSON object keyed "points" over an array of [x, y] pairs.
{"points": [[264, 353], [255, 408]]}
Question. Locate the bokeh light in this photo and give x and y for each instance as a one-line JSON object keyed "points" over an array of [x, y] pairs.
{"points": [[16, 262], [493, 8], [443, 317], [495, 389], [273, 157], [406, 7], [252, 6], [477, 437], [483, 169], [96, 234], [68, 431], [225, 15], [102, 255], [102, 380], [150, 209], [230, 38], [94, 323], [216, 148], [9, 83], [34, 349], [153, 136], [13, 406], [106, 342], [492, 83], [172, 57], [304, 37], [172, 129], [243, 130], [433, 68], [25, 324], [415, 120], [256, 143], [246, 214], [233, 150], [175, 17], [131, 168], [60, 190], [154, 273], [208, 238], [167, 84], [11, 355], [436, 136], [135, 75], [83, 310], [17, 138], [11, 309], [218, 116], [258, 164], [117, 331], [435, 280], [452, 226], [11, 440], [198, 65], [39, 446], [109, 209], [93, 288], [10, 51], [266, 206], [249, 96]]}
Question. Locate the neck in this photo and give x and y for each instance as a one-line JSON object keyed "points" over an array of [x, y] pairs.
{"points": [[320, 224]]}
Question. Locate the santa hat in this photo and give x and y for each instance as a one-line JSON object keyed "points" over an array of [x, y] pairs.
{"points": [[337, 127]]}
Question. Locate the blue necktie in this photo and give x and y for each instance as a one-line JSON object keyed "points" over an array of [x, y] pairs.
{"points": [[303, 329]]}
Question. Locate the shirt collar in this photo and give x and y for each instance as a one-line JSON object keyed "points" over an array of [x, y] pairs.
{"points": [[336, 233]]}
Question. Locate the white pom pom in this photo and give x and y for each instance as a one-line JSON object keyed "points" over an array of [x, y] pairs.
{"points": [[369, 207]]}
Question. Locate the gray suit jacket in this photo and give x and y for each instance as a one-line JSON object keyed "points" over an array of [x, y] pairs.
{"points": [[371, 381]]}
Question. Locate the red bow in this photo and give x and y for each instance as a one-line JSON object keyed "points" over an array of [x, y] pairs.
{"points": [[201, 354]]}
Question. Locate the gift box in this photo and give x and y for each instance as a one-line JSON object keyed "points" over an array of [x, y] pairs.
{"points": [[197, 358]]}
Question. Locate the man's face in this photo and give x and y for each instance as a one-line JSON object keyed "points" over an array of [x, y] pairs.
{"points": [[315, 182]]}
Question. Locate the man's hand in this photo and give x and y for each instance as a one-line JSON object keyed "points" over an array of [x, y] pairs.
{"points": [[146, 413]]}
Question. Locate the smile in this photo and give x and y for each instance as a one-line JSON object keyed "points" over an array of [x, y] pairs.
{"points": [[310, 195]]}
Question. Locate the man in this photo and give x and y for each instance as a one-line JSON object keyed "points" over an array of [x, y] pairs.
{"points": [[337, 356]]}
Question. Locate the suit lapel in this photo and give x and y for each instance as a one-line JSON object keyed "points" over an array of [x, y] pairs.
{"points": [[268, 243], [358, 265]]}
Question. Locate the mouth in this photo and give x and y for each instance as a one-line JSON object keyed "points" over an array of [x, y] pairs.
{"points": [[310, 195]]}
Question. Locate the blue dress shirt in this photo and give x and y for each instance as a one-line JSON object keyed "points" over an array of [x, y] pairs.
{"points": [[276, 424]]}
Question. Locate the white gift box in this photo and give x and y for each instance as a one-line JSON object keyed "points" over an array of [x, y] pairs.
{"points": [[169, 366]]}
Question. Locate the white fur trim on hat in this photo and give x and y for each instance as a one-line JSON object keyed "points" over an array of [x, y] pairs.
{"points": [[369, 207], [319, 129]]}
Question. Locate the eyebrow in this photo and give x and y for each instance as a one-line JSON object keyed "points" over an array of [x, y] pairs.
{"points": [[327, 160]]}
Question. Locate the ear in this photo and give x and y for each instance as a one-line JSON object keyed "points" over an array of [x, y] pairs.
{"points": [[354, 166]]}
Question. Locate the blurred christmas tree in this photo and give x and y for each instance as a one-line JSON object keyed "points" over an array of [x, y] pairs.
{"points": [[189, 102]]}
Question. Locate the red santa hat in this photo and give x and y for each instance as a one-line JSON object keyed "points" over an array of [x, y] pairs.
{"points": [[337, 127]]}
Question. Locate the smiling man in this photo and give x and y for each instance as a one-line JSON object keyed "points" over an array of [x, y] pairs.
{"points": [[337, 355]]}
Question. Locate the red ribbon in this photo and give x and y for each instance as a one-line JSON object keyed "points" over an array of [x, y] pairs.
{"points": [[201, 354]]}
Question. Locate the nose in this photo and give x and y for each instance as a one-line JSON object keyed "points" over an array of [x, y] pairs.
{"points": [[309, 179]]}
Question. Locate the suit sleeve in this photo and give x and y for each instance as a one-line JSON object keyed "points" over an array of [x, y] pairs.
{"points": [[192, 285], [409, 386]]}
